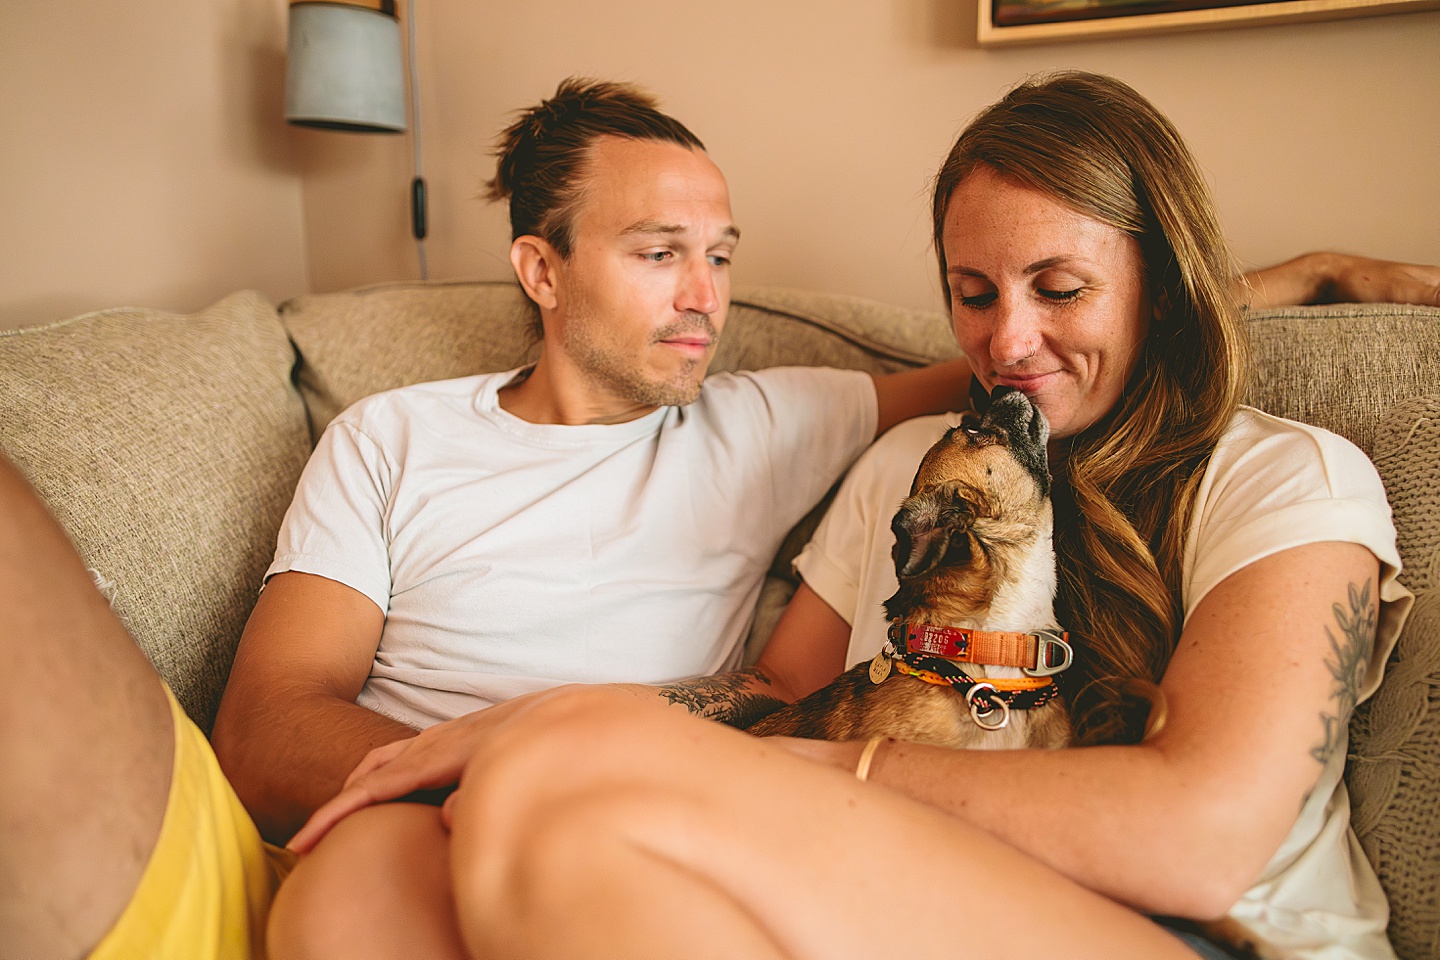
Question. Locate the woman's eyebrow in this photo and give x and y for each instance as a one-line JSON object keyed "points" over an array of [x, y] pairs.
{"points": [[1049, 262], [1036, 267]]}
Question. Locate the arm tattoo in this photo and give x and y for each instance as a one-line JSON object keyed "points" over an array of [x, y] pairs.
{"points": [[731, 698], [1350, 654]]}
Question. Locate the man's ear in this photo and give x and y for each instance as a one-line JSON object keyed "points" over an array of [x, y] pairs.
{"points": [[536, 266]]}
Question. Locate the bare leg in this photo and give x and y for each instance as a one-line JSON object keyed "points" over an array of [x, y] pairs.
{"points": [[377, 886], [603, 827], [86, 742]]}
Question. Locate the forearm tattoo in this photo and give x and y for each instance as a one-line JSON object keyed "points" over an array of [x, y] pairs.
{"points": [[1349, 656], [738, 698]]}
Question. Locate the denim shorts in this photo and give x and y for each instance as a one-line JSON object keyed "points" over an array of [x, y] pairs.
{"points": [[1186, 932]]}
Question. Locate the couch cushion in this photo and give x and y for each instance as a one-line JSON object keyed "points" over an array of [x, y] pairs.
{"points": [[1342, 366], [1394, 765], [169, 447], [771, 326], [359, 342]]}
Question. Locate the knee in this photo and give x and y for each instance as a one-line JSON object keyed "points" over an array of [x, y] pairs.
{"points": [[318, 898], [560, 799], [562, 744], [380, 875], [520, 871]]}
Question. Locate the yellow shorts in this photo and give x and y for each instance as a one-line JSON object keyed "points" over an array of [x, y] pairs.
{"points": [[207, 889]]}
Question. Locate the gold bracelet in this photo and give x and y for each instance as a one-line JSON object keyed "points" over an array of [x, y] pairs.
{"points": [[867, 757]]}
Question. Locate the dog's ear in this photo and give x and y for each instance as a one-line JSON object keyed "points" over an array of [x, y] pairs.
{"points": [[931, 531]]}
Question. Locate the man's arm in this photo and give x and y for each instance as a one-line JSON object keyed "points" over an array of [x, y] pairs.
{"points": [[738, 698], [806, 651], [1339, 278], [289, 731], [938, 388]]}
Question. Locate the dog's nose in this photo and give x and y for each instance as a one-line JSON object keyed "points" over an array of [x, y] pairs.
{"points": [[1010, 407], [1008, 396], [1012, 411]]}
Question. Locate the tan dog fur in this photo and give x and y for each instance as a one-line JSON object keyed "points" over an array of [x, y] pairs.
{"points": [[973, 549]]}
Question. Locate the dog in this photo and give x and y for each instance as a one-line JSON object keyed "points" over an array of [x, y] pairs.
{"points": [[974, 644]]}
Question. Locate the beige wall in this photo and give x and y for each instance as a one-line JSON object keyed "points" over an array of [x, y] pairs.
{"points": [[145, 159], [829, 117]]}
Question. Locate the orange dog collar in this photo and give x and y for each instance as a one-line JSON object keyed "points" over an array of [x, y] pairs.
{"points": [[1040, 654]]}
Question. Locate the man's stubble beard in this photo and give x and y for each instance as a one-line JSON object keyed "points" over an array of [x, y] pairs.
{"points": [[609, 368]]}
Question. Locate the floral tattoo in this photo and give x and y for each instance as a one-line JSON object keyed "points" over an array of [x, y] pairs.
{"points": [[738, 699], [1350, 654]]}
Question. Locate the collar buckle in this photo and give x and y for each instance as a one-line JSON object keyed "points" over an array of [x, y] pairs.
{"points": [[1048, 642]]}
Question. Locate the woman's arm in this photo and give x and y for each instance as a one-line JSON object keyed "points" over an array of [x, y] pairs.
{"points": [[1339, 278], [1263, 680]]}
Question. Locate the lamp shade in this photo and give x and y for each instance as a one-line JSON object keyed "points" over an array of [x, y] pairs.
{"points": [[345, 69]]}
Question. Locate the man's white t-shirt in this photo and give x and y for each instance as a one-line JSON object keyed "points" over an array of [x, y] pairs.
{"points": [[509, 556], [1272, 484]]}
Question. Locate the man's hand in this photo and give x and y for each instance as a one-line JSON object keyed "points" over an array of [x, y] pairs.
{"points": [[1340, 278]]}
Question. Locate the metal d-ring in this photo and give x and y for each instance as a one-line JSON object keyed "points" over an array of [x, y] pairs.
{"points": [[991, 704], [1047, 641]]}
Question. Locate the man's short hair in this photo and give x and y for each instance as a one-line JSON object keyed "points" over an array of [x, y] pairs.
{"points": [[542, 155]]}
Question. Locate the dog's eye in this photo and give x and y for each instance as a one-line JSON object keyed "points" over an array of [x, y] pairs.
{"points": [[971, 431]]}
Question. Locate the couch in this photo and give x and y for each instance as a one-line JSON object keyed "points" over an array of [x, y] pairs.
{"points": [[169, 446]]}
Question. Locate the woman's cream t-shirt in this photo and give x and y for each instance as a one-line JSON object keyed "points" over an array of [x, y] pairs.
{"points": [[1272, 484]]}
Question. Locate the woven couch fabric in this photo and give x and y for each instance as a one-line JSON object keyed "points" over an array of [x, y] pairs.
{"points": [[771, 327], [359, 342], [168, 446], [1394, 763], [1342, 366]]}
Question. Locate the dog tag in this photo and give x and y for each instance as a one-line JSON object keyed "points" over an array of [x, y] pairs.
{"points": [[879, 668]]}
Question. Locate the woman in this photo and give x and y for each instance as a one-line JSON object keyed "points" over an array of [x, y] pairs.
{"points": [[1244, 564]]}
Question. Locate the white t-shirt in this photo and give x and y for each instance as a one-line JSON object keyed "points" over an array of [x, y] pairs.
{"points": [[1272, 484], [509, 556]]}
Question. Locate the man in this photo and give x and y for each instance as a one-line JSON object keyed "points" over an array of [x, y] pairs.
{"points": [[600, 517], [629, 267]]}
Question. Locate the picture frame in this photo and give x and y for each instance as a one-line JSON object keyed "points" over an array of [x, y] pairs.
{"points": [[1007, 22]]}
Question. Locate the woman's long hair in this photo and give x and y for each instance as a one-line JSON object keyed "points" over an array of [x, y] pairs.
{"points": [[1125, 494]]}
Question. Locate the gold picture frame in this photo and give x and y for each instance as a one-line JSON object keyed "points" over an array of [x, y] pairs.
{"points": [[1003, 22]]}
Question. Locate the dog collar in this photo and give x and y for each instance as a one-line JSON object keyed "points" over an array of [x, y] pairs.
{"points": [[1040, 654], [985, 696]]}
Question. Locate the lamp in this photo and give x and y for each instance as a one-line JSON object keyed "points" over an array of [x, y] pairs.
{"points": [[346, 72]]}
